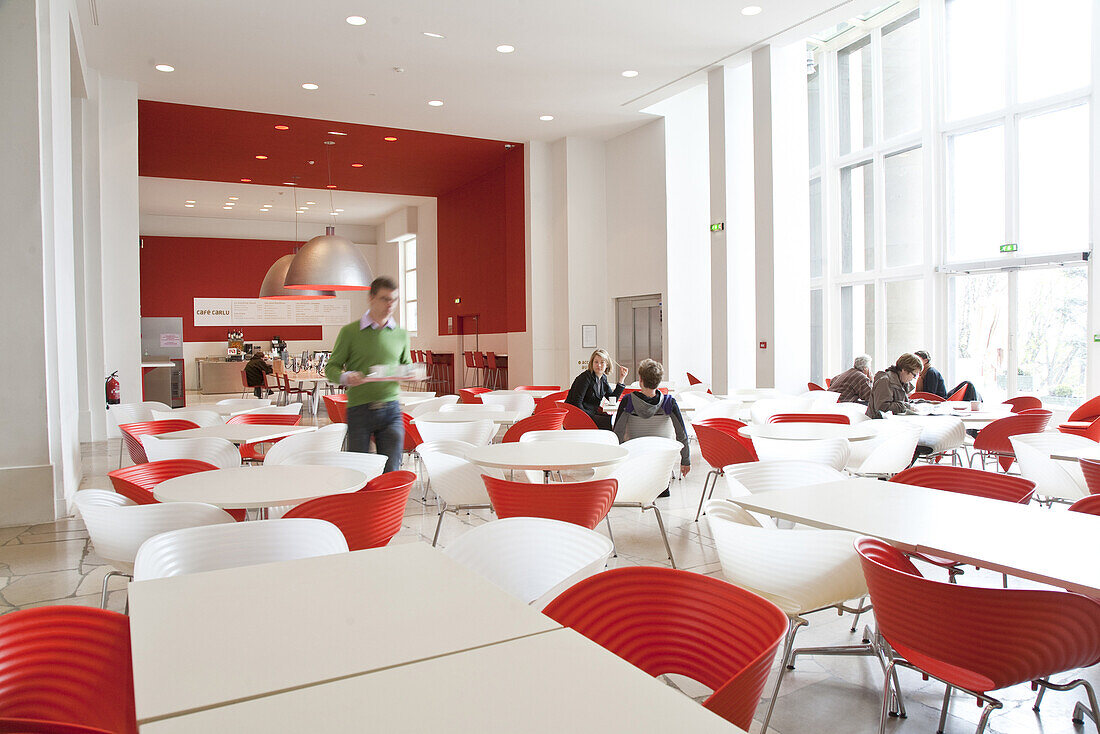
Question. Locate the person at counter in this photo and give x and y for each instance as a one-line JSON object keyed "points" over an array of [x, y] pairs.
{"points": [[375, 339], [256, 372], [591, 387]]}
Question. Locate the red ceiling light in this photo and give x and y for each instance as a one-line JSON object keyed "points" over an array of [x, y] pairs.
{"points": [[282, 127], [246, 180], [390, 139], [261, 157], [356, 165]]}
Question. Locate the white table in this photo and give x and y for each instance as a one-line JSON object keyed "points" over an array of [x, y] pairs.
{"points": [[239, 433], [536, 394], [1078, 454], [1049, 546], [406, 400], [500, 417], [260, 487], [547, 456], [206, 639], [547, 683], [806, 431], [225, 411]]}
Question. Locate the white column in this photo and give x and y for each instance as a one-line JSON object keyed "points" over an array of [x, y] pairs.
{"points": [[765, 262], [719, 286], [548, 354]]}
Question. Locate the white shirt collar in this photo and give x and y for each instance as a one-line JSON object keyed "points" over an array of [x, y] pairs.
{"points": [[366, 321]]}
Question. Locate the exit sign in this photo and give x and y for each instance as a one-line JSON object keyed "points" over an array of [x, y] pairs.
{"points": [[1010, 247], [718, 227]]}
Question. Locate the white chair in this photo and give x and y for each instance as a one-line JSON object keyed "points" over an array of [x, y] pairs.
{"points": [[455, 481], [532, 558], [471, 408], [430, 406], [520, 402], [820, 398], [833, 452], [699, 388], [449, 446], [199, 417], [1054, 479], [888, 453], [328, 438], [245, 403], [194, 550], [765, 408], [719, 409], [694, 399], [291, 409], [801, 571], [581, 435], [642, 478], [644, 444], [370, 464], [944, 435], [217, 451], [856, 412], [478, 432], [118, 527], [764, 476]]}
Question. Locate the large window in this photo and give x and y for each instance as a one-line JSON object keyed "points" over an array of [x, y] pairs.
{"points": [[408, 283]]}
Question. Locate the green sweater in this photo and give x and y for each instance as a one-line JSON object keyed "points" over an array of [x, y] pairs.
{"points": [[360, 349]]}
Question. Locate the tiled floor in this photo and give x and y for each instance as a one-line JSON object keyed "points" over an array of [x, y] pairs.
{"points": [[54, 563]]}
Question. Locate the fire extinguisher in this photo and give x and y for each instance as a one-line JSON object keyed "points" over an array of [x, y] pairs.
{"points": [[114, 390]]}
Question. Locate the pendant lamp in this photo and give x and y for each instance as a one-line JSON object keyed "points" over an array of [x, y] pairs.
{"points": [[329, 262], [273, 289]]}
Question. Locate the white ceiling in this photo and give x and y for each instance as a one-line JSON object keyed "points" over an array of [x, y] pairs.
{"points": [[255, 54], [167, 197]]}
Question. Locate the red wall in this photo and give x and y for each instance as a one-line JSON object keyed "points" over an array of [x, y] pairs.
{"points": [[481, 253], [176, 270]]}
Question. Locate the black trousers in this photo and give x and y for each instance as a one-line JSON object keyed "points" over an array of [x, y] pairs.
{"points": [[603, 421]]}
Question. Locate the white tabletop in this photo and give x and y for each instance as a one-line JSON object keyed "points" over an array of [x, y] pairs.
{"points": [[548, 683], [547, 455], [239, 433], [806, 431], [500, 417], [413, 399], [536, 394], [1076, 454], [210, 638], [250, 488], [1047, 545], [223, 410]]}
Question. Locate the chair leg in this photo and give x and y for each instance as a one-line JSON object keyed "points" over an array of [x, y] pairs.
{"points": [[106, 580], [702, 497], [943, 710], [885, 698], [614, 550], [664, 535], [439, 523], [859, 611], [985, 717], [793, 624]]}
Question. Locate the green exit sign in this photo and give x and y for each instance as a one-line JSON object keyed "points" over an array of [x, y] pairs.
{"points": [[718, 227], [1010, 247]]}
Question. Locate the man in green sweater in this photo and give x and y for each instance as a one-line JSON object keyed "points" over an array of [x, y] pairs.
{"points": [[373, 410]]}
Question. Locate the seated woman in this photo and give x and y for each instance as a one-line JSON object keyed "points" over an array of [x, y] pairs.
{"points": [[591, 387], [890, 393], [648, 412]]}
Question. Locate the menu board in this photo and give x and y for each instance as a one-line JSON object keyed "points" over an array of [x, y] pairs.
{"points": [[264, 312]]}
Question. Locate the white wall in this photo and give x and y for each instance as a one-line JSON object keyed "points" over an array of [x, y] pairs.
{"points": [[740, 227], [157, 225]]}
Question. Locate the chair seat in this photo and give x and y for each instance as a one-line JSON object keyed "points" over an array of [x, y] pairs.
{"points": [[934, 560], [953, 674]]}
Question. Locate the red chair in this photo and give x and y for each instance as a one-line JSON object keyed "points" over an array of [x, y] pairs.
{"points": [[250, 451], [412, 436], [693, 380], [495, 379], [245, 387], [975, 639], [720, 449], [730, 426], [958, 394], [1080, 419], [993, 439], [1023, 402], [927, 396], [483, 367], [136, 482], [469, 363], [469, 395], [813, 387], [132, 433], [581, 503], [1091, 469], [828, 382], [337, 407], [627, 390], [287, 390], [667, 621], [551, 388], [1090, 505], [809, 418], [548, 420], [553, 401], [38, 726], [368, 518], [576, 419], [69, 665]]}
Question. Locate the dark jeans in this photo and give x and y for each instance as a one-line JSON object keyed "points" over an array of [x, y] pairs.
{"points": [[258, 391], [382, 421], [602, 420]]}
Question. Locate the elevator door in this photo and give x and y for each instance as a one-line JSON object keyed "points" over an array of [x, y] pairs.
{"points": [[638, 327]]}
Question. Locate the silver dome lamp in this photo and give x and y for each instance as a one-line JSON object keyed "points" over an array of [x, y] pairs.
{"points": [[273, 287]]}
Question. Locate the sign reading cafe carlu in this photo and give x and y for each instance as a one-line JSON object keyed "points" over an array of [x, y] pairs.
{"points": [[262, 312]]}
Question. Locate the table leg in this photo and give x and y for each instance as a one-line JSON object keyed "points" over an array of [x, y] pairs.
{"points": [[545, 476]]}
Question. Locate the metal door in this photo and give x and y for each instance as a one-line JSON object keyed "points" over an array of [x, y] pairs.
{"points": [[639, 332]]}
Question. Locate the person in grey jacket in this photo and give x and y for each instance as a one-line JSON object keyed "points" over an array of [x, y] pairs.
{"points": [[890, 392], [649, 412]]}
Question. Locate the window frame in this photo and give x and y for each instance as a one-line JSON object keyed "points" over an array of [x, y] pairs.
{"points": [[405, 272]]}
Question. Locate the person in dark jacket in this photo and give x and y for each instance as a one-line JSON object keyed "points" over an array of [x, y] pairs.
{"points": [[256, 372], [929, 380], [591, 387]]}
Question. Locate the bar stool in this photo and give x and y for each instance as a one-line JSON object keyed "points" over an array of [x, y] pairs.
{"points": [[435, 381], [469, 357], [496, 374], [479, 365]]}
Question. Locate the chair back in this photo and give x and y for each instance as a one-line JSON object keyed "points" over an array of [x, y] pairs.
{"points": [[667, 621], [1090, 505], [136, 483], [549, 400], [217, 451], [257, 418], [1087, 411], [958, 394], [368, 518], [476, 431], [994, 437], [551, 388], [132, 433], [644, 475], [288, 409], [328, 438], [469, 357], [809, 418], [720, 449], [812, 386], [891, 451], [199, 417], [454, 479], [548, 420], [1090, 469], [532, 558], [469, 395], [491, 358], [581, 503], [607, 438], [337, 407], [471, 408], [132, 413], [765, 408], [642, 444], [520, 402], [370, 464], [927, 396], [118, 527], [245, 403], [68, 664], [725, 408], [1052, 477], [432, 405], [412, 436], [1021, 403], [576, 419], [832, 452], [454, 448], [693, 380], [974, 482], [213, 547], [764, 476], [479, 360], [958, 633]]}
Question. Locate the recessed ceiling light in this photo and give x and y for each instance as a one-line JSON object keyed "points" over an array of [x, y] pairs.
{"points": [[310, 86], [331, 186], [751, 10], [390, 139], [429, 34], [505, 48], [334, 132], [436, 103], [332, 214], [246, 180], [339, 210], [356, 165], [546, 118], [356, 20], [289, 183], [630, 73], [311, 202], [261, 157], [282, 127], [164, 67], [227, 207], [234, 198], [265, 211], [189, 201], [189, 206]]}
